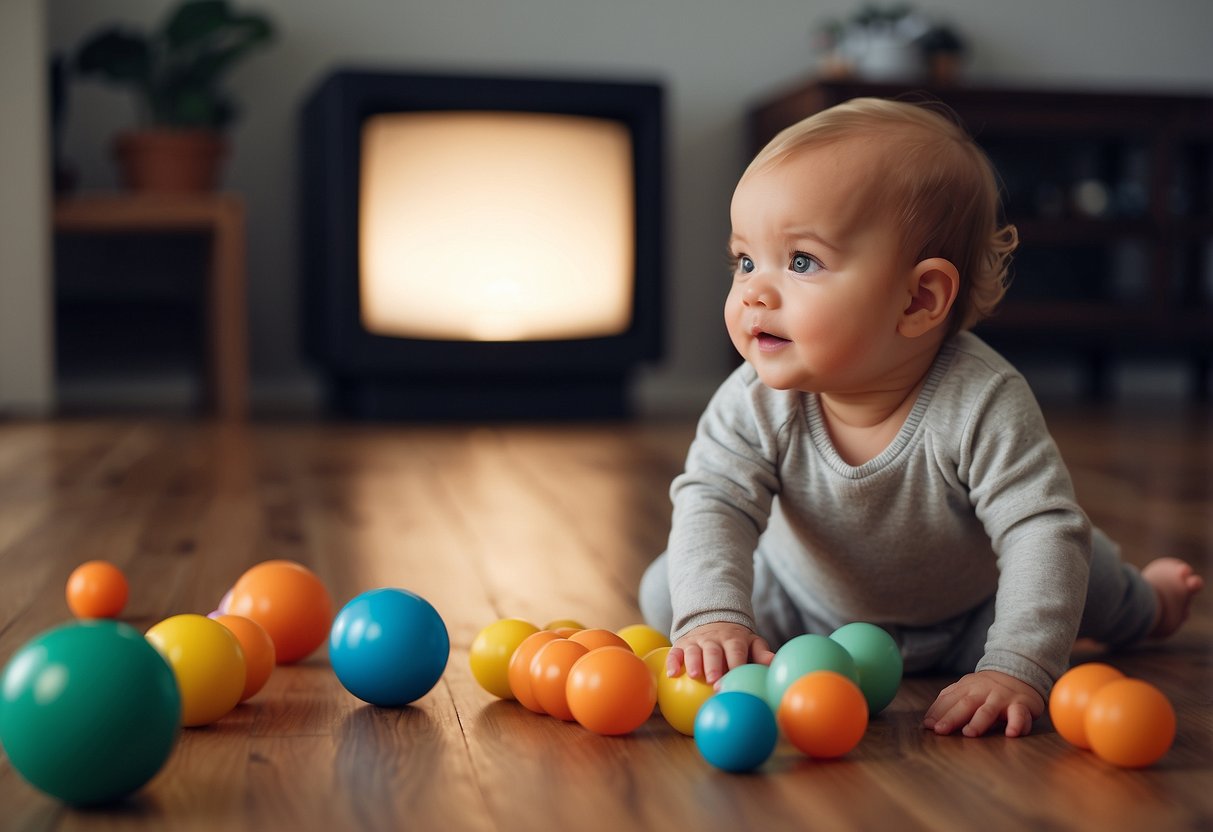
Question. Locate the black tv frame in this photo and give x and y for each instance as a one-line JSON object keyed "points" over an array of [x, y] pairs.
{"points": [[378, 376]]}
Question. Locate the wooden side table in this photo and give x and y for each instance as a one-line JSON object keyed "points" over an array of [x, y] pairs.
{"points": [[222, 216]]}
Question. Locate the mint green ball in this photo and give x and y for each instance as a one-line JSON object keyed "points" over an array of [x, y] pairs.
{"points": [[878, 659], [802, 655], [746, 678]]}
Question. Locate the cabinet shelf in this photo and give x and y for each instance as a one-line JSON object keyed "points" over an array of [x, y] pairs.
{"points": [[1114, 211]]}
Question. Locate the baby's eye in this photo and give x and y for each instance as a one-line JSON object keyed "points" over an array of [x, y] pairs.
{"points": [[804, 264], [744, 264]]}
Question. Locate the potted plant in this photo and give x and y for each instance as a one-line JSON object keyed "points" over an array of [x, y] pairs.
{"points": [[176, 73]]}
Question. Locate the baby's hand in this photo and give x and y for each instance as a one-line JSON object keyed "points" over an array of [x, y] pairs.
{"points": [[981, 699], [708, 652]]}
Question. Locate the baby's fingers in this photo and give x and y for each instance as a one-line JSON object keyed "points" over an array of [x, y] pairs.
{"points": [[986, 715], [1019, 720]]}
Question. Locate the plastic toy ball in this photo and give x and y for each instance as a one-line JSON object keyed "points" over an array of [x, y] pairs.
{"points": [[89, 711], [643, 639], [564, 624], [1071, 696], [877, 659], [654, 660], [1130, 723], [258, 652], [207, 662], [389, 647], [491, 650], [824, 714], [96, 589], [610, 691], [736, 731], [290, 602], [747, 678], [550, 674], [805, 654], [594, 638], [519, 671], [680, 697]]}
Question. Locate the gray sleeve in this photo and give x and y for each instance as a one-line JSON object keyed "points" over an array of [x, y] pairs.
{"points": [[1022, 494], [721, 505]]}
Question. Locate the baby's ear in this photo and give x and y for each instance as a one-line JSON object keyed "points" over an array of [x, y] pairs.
{"points": [[932, 286]]}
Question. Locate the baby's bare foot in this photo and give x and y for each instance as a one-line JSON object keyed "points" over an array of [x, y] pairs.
{"points": [[1175, 583]]}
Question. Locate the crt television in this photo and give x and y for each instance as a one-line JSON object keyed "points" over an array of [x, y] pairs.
{"points": [[478, 246]]}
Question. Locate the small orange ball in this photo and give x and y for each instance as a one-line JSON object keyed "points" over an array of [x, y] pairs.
{"points": [[96, 589], [550, 674], [290, 602], [1071, 696], [594, 638], [823, 713], [611, 691], [258, 651], [1130, 723], [519, 671]]}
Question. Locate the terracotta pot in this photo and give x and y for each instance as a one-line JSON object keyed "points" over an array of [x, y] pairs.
{"points": [[164, 160]]}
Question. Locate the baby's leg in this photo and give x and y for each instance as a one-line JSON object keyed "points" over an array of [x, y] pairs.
{"points": [[654, 598], [1175, 583], [776, 614], [1124, 605]]}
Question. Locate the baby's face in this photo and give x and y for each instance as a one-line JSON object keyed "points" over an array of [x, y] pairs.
{"points": [[819, 281]]}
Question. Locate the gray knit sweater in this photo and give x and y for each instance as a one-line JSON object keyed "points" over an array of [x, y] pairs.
{"points": [[970, 499]]}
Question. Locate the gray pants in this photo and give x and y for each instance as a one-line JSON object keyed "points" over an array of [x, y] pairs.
{"points": [[1120, 609]]}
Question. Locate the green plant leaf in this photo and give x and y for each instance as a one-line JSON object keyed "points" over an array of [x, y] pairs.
{"points": [[116, 55], [196, 21]]}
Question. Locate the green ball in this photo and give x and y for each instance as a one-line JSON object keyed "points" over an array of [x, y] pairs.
{"points": [[805, 654], [89, 711], [877, 658], [746, 678]]}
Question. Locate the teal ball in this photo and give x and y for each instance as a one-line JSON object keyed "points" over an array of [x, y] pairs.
{"points": [[877, 658], [89, 711]]}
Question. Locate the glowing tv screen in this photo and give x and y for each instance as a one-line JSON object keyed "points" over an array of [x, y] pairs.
{"points": [[481, 246]]}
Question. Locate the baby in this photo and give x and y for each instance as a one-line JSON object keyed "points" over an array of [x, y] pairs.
{"points": [[872, 460]]}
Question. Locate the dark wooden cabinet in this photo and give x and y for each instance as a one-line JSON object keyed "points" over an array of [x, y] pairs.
{"points": [[1112, 194]]}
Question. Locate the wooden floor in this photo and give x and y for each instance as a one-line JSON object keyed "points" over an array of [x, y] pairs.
{"points": [[539, 523]]}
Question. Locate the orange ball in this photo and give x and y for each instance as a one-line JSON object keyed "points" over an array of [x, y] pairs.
{"points": [[1130, 723], [519, 672], [611, 691], [823, 713], [1072, 694], [594, 638], [96, 589], [258, 650], [550, 674], [290, 602]]}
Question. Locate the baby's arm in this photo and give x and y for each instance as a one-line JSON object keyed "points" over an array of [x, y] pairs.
{"points": [[709, 651], [981, 699]]}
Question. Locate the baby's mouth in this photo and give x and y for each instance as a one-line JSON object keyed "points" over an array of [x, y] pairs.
{"points": [[768, 342]]}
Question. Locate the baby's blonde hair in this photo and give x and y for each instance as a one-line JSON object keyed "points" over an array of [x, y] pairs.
{"points": [[933, 181]]}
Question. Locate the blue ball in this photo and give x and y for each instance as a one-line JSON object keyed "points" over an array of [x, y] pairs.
{"points": [[736, 731], [389, 647]]}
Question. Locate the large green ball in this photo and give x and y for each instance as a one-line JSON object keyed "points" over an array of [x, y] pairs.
{"points": [[877, 658], [802, 655], [89, 711]]}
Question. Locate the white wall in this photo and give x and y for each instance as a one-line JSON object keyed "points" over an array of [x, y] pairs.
{"points": [[26, 360], [717, 57]]}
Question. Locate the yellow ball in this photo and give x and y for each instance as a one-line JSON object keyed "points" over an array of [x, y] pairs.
{"points": [[679, 698], [643, 639], [491, 652], [564, 624], [207, 661], [654, 660]]}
